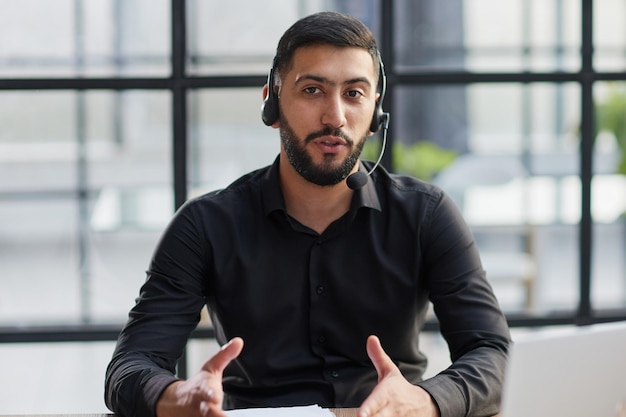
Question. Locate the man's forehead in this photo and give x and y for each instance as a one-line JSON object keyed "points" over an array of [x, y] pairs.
{"points": [[334, 64]]}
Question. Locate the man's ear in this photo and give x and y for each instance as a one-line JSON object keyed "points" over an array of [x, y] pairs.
{"points": [[265, 93], [266, 90]]}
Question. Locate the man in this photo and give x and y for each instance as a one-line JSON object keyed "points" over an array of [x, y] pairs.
{"points": [[327, 285]]}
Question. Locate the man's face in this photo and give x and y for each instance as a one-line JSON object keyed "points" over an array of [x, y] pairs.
{"points": [[327, 100]]}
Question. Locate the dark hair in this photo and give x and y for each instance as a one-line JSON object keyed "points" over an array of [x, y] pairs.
{"points": [[330, 28]]}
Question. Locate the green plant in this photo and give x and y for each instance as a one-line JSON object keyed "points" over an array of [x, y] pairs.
{"points": [[611, 117], [421, 159]]}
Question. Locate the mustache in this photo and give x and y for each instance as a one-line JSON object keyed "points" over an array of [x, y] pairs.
{"points": [[328, 131]]}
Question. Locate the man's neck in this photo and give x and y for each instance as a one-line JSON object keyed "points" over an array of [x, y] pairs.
{"points": [[313, 205]]}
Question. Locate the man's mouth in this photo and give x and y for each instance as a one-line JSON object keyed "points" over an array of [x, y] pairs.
{"points": [[330, 144]]}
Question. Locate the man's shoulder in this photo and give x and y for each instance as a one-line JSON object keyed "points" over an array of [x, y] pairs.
{"points": [[245, 187], [406, 185]]}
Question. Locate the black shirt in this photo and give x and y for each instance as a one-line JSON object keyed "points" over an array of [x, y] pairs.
{"points": [[305, 303]]}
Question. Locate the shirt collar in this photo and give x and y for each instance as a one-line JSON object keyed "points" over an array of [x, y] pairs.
{"points": [[273, 197], [366, 196]]}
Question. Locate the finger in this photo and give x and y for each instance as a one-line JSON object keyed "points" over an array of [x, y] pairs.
{"points": [[211, 410], [226, 354], [204, 408], [205, 394], [382, 362], [373, 405]]}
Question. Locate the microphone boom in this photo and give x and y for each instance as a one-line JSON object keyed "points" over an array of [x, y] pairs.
{"points": [[357, 180]]}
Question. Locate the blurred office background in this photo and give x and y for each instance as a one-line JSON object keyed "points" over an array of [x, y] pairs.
{"points": [[113, 113]]}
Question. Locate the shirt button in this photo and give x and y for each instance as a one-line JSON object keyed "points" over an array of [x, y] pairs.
{"points": [[334, 374], [320, 289], [321, 339]]}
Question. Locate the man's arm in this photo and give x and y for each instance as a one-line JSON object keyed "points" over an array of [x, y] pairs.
{"points": [[469, 316], [134, 383], [165, 313], [394, 395]]}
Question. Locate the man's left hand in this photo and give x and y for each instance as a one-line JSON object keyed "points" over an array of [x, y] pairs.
{"points": [[394, 396]]}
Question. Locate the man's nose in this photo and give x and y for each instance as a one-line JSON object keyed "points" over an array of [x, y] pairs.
{"points": [[334, 113]]}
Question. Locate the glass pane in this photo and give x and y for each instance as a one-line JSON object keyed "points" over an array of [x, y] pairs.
{"points": [[76, 368], [38, 184], [243, 37], [38, 258], [609, 35], [66, 38], [228, 138], [608, 195], [131, 173], [37, 127], [507, 154], [84, 193], [482, 35]]}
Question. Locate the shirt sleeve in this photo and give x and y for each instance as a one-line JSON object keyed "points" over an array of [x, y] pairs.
{"points": [[165, 313], [469, 316]]}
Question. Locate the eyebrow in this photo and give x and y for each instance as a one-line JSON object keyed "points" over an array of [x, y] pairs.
{"points": [[325, 80]]}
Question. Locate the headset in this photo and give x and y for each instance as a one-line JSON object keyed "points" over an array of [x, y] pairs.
{"points": [[270, 110]]}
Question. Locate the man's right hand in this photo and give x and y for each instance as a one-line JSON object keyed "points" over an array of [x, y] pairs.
{"points": [[201, 395]]}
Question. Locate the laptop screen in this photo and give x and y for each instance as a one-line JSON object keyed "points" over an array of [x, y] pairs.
{"points": [[572, 371]]}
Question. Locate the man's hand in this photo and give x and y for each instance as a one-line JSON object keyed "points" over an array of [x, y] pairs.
{"points": [[201, 395], [394, 396]]}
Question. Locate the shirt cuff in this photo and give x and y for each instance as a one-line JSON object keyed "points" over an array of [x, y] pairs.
{"points": [[447, 395], [152, 389]]}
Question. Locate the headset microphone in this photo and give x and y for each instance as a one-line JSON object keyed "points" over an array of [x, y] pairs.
{"points": [[357, 180]]}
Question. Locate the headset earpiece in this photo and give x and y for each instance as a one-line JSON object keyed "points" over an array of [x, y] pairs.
{"points": [[269, 111], [380, 118]]}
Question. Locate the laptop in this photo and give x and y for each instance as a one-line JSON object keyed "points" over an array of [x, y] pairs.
{"points": [[573, 372]]}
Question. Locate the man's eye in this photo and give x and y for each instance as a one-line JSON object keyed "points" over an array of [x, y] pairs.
{"points": [[354, 94], [311, 90]]}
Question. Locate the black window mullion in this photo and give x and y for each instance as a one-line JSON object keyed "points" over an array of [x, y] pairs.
{"points": [[179, 123], [387, 52], [179, 107], [586, 168]]}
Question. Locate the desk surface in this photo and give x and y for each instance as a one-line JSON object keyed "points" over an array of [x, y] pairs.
{"points": [[344, 412]]}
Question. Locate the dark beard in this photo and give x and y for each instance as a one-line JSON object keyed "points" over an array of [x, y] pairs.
{"points": [[323, 174]]}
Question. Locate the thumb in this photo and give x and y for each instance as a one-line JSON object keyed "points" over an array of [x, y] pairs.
{"points": [[224, 356], [382, 362]]}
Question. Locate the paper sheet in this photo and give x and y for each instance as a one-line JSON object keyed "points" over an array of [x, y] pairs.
{"points": [[304, 411]]}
